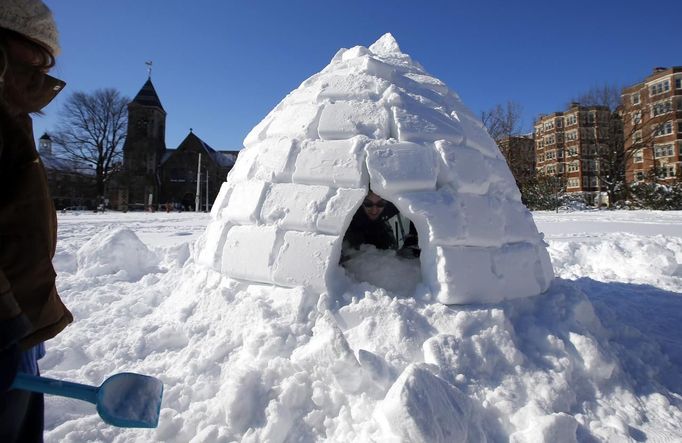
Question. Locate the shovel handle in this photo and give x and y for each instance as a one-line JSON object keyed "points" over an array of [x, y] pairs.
{"points": [[34, 383]]}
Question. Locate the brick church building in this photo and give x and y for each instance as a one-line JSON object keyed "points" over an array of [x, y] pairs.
{"points": [[154, 177]]}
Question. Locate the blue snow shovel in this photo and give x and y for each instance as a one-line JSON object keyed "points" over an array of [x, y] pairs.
{"points": [[125, 400]]}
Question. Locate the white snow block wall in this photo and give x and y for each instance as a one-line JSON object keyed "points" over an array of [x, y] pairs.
{"points": [[374, 116]]}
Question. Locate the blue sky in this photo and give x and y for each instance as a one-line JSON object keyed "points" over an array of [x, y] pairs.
{"points": [[221, 66]]}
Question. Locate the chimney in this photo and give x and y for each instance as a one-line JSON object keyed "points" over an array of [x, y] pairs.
{"points": [[658, 69]]}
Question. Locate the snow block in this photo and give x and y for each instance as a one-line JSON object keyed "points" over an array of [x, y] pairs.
{"points": [[294, 207], [245, 202], [476, 136], [516, 266], [274, 156], [438, 213], [518, 223], [339, 211], [297, 121], [343, 120], [373, 66], [360, 87], [241, 171], [465, 167], [212, 246], [259, 131], [418, 123], [421, 406], [483, 222], [401, 167], [335, 163], [221, 200], [464, 274], [248, 253], [306, 259], [467, 274]]}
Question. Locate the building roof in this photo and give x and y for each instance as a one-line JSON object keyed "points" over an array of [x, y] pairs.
{"points": [[147, 96], [222, 158]]}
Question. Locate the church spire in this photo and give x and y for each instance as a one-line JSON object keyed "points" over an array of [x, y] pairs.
{"points": [[147, 96]]}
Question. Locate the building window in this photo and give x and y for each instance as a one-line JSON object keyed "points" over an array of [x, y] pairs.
{"points": [[586, 182], [590, 117], [637, 137], [571, 120], [659, 88], [572, 151], [635, 98], [551, 169], [551, 155], [638, 157], [549, 125], [666, 150], [572, 183], [678, 83], [559, 122], [667, 171], [561, 168], [589, 165], [572, 135], [560, 153], [549, 140], [639, 176], [636, 118], [661, 108], [664, 129], [573, 166]]}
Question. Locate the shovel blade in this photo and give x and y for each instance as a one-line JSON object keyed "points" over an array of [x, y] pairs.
{"points": [[130, 400]]}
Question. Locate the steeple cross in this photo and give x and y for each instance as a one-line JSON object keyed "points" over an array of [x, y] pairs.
{"points": [[149, 68]]}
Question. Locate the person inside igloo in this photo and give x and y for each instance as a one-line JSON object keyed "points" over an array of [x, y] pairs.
{"points": [[378, 222]]}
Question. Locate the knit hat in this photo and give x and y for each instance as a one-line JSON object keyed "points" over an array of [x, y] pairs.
{"points": [[32, 19]]}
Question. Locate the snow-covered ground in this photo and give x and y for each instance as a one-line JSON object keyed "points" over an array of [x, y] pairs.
{"points": [[597, 357]]}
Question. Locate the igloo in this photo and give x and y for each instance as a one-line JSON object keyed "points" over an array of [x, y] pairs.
{"points": [[374, 115]]}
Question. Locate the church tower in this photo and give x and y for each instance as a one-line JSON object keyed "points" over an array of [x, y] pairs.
{"points": [[144, 147]]}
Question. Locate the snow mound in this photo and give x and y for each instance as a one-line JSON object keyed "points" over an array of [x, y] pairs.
{"points": [[262, 363], [374, 116], [585, 361], [117, 251]]}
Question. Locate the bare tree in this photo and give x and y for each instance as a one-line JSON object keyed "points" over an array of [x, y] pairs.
{"points": [[503, 123], [604, 95], [91, 131], [503, 120]]}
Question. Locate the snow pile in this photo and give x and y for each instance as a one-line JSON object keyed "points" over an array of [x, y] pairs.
{"points": [[586, 361], [626, 258], [117, 251], [374, 117]]}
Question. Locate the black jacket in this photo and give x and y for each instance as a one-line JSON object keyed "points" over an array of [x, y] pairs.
{"points": [[377, 232]]}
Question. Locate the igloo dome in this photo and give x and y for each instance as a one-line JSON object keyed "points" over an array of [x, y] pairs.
{"points": [[373, 115]]}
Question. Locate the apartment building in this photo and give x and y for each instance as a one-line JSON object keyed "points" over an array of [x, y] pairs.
{"points": [[567, 145], [652, 126]]}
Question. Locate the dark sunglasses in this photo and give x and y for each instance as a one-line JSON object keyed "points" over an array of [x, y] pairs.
{"points": [[368, 204]]}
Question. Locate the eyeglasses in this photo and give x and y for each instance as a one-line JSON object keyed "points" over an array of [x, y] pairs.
{"points": [[369, 204]]}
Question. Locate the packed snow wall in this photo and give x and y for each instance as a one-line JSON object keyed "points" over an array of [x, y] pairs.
{"points": [[373, 115]]}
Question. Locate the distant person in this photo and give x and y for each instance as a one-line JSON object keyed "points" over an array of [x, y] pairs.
{"points": [[30, 308]]}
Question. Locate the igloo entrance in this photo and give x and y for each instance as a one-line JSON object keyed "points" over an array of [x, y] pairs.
{"points": [[374, 115], [381, 247]]}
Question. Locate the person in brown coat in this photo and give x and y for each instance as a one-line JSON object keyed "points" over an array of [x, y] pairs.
{"points": [[30, 308]]}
